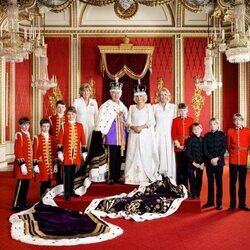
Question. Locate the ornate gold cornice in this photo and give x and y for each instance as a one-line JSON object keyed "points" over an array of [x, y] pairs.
{"points": [[126, 48], [137, 33]]}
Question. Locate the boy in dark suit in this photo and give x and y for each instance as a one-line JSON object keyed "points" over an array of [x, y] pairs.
{"points": [[194, 153], [214, 150]]}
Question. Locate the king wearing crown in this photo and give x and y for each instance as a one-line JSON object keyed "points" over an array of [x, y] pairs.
{"points": [[111, 121]]}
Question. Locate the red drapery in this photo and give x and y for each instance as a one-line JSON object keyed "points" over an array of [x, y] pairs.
{"points": [[133, 65], [130, 68]]}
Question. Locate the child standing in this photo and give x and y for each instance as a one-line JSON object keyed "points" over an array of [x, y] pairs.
{"points": [[194, 153], [44, 149], [214, 150], [72, 144], [22, 164], [180, 132], [238, 143], [56, 122]]}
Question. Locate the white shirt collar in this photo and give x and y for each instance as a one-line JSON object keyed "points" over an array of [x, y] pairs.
{"points": [[45, 135], [26, 132]]}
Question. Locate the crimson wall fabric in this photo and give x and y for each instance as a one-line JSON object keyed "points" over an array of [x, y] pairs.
{"points": [[162, 61], [23, 91], [58, 65], [230, 92], [194, 54]]}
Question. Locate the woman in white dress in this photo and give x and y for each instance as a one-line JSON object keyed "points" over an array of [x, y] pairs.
{"points": [[164, 113], [142, 162], [87, 110]]}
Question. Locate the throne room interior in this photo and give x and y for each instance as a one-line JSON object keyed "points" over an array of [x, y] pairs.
{"points": [[82, 43]]}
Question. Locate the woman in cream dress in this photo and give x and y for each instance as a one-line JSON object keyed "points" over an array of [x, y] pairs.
{"points": [[164, 113], [87, 110], [142, 163]]}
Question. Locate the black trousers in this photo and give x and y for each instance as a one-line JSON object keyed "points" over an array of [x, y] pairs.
{"points": [[59, 174], [44, 185], [214, 172], [234, 170], [69, 176], [114, 162], [20, 197], [182, 168], [195, 179]]}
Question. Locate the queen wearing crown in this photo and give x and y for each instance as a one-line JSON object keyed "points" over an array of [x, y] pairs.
{"points": [[141, 159]]}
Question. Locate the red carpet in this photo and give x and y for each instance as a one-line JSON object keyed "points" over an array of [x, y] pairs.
{"points": [[209, 229]]}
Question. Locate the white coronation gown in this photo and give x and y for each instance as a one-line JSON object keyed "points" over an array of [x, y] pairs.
{"points": [[165, 147], [142, 162]]}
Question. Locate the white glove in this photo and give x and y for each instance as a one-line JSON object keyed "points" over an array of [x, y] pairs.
{"points": [[24, 170], [55, 168], [60, 156], [36, 169], [84, 155]]}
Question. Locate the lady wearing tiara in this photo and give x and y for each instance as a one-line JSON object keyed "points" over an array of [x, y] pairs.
{"points": [[164, 113], [87, 110], [141, 158]]}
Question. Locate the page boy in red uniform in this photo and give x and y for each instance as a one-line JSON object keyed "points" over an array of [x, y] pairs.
{"points": [[181, 130], [238, 144], [56, 122], [71, 148], [44, 149], [22, 165]]}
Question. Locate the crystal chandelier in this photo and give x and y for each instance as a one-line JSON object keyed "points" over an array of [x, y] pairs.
{"points": [[42, 81], [208, 83], [237, 45], [16, 44]]}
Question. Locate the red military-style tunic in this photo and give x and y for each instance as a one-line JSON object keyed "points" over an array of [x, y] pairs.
{"points": [[44, 154], [72, 138], [181, 130], [23, 155], [238, 144], [56, 123]]}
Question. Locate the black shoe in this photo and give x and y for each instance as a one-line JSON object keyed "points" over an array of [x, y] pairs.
{"points": [[67, 197], [244, 208], [120, 181], [219, 207], [231, 208], [74, 195], [207, 205], [191, 196], [110, 182], [27, 206], [18, 208]]}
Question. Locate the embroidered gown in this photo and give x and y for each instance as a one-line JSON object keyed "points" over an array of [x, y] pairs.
{"points": [[165, 147], [141, 158]]}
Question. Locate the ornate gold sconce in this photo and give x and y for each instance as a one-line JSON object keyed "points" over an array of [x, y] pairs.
{"points": [[197, 103]]}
